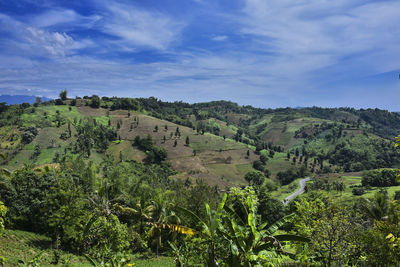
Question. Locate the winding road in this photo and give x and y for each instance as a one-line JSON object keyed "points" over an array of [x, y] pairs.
{"points": [[298, 192]]}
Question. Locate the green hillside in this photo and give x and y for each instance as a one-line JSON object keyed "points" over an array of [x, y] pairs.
{"points": [[123, 181], [219, 134]]}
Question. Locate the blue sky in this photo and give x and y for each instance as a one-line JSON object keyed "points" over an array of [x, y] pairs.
{"points": [[266, 53]]}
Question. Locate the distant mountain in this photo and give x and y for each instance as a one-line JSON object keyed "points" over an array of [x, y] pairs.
{"points": [[19, 99]]}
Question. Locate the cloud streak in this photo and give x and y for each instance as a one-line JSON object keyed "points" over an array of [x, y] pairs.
{"points": [[136, 27]]}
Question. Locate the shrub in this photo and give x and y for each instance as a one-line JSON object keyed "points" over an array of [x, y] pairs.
{"points": [[380, 177]]}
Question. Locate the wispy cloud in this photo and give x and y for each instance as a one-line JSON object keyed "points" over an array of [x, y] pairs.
{"points": [[63, 17], [329, 30], [219, 38], [137, 27]]}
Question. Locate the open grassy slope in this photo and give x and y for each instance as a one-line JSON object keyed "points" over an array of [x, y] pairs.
{"points": [[214, 154], [218, 161]]}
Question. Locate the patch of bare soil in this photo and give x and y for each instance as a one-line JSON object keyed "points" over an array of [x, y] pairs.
{"points": [[88, 111]]}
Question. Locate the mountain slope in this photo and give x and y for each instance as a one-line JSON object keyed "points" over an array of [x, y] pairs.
{"points": [[218, 142]]}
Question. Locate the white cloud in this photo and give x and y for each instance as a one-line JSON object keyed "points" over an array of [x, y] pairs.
{"points": [[219, 38], [59, 17], [30, 41], [328, 29], [138, 27]]}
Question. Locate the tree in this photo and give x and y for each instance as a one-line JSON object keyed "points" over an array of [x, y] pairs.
{"points": [[187, 140], [38, 101], [156, 155], [263, 159], [258, 165], [329, 227], [255, 178], [270, 209], [3, 211], [36, 151], [63, 95], [378, 207], [95, 101]]}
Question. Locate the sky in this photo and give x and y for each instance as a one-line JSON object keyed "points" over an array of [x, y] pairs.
{"points": [[264, 53]]}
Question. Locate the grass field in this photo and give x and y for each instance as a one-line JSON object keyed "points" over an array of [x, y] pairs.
{"points": [[278, 163], [128, 151], [10, 137], [154, 262], [18, 245], [233, 174], [45, 116], [211, 142], [286, 190], [352, 180]]}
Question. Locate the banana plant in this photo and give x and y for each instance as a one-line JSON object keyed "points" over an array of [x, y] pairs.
{"points": [[247, 239], [209, 229], [241, 241]]}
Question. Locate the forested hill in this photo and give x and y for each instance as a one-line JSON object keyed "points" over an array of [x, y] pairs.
{"points": [[218, 141]]}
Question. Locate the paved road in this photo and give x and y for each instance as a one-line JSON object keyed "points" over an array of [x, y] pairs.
{"points": [[298, 192]]}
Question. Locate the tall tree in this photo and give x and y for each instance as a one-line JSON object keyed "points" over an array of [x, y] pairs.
{"points": [[63, 95]]}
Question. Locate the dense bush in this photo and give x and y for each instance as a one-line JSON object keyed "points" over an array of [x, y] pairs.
{"points": [[380, 177], [286, 177]]}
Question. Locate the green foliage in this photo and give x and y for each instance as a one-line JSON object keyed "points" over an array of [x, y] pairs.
{"points": [[378, 207], [35, 262], [286, 177], [91, 135], [380, 177], [95, 101], [3, 211], [329, 227], [379, 243], [155, 154], [125, 103], [237, 239], [25, 196], [255, 178], [29, 134], [63, 95], [270, 209], [104, 234], [326, 184]]}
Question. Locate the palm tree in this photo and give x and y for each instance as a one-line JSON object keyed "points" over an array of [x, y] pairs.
{"points": [[143, 213], [378, 207], [163, 217]]}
